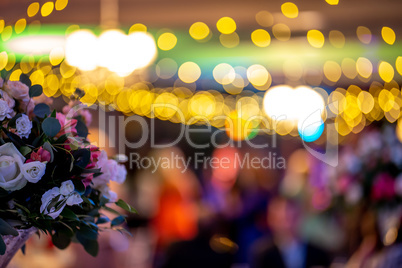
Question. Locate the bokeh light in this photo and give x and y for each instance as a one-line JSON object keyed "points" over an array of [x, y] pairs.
{"points": [[315, 38], [47, 9], [388, 35], [199, 30], [167, 41], [226, 25], [261, 38], [189, 72], [290, 10], [281, 32]]}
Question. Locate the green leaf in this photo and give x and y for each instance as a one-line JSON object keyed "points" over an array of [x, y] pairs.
{"points": [[79, 186], [25, 150], [102, 220], [2, 246], [90, 246], [68, 214], [88, 232], [42, 110], [12, 122], [61, 240], [51, 126], [118, 220], [111, 210], [35, 91], [82, 129], [25, 79], [48, 147], [126, 206], [7, 229]]}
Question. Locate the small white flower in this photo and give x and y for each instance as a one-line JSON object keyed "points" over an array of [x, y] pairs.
{"points": [[67, 187], [24, 126], [5, 110], [47, 199], [74, 199], [33, 171], [121, 174]]}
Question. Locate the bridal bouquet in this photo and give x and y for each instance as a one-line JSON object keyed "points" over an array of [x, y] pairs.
{"points": [[51, 177]]}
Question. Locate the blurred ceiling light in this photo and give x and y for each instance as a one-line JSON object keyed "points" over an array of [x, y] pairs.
{"points": [[301, 105], [35, 45], [114, 50]]}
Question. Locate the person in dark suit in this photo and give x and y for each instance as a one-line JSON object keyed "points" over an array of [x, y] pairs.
{"points": [[284, 248]]}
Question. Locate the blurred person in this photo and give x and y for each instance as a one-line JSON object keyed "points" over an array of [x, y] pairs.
{"points": [[209, 249], [285, 248]]}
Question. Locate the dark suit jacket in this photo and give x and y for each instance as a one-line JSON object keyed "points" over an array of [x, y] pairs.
{"points": [[266, 255]]}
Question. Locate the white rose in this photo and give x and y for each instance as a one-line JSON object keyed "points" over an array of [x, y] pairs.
{"points": [[47, 199], [24, 126], [74, 199], [105, 190], [5, 110], [67, 187], [33, 171], [11, 162], [121, 174]]}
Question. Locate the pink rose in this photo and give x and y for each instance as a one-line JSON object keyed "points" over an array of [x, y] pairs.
{"points": [[67, 125], [42, 156], [18, 90], [87, 180], [383, 187], [43, 99], [10, 101]]}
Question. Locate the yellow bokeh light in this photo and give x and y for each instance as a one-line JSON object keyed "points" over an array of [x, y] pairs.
{"points": [[364, 34], [281, 32], [6, 33], [364, 67], [165, 105], [2, 24], [337, 39], [332, 2], [398, 65], [290, 10], [202, 104], [15, 75], [332, 71], [199, 30], [20, 26], [261, 38], [264, 18], [388, 35], [138, 27], [257, 75], [386, 71], [167, 41], [189, 72], [224, 73], [33, 9], [61, 4], [399, 129], [349, 68], [10, 62], [67, 70], [27, 63], [56, 56], [226, 25], [365, 102], [315, 38], [47, 9], [236, 87], [37, 77], [386, 100], [229, 40]]}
